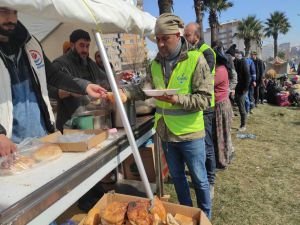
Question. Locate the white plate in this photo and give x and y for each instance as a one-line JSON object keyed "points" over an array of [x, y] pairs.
{"points": [[154, 93]]}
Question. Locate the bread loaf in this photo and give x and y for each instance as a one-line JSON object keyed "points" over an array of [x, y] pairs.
{"points": [[114, 213], [22, 163], [111, 97], [159, 209], [138, 213], [47, 152]]}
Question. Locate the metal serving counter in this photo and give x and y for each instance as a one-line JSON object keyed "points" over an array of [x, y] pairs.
{"points": [[38, 196]]}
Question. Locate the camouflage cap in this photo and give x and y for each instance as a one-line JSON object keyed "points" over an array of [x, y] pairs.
{"points": [[168, 23]]}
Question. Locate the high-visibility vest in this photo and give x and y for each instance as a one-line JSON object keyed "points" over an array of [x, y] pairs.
{"points": [[202, 49], [178, 120]]}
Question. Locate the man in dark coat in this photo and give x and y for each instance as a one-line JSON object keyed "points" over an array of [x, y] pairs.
{"points": [[260, 70], [77, 63]]}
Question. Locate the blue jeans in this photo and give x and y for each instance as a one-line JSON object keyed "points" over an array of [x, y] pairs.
{"points": [[249, 99], [247, 102], [210, 162], [191, 153]]}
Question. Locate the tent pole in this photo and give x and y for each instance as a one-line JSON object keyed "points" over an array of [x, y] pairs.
{"points": [[123, 115]]}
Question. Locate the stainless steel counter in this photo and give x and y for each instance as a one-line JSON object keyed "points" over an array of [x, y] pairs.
{"points": [[39, 195]]}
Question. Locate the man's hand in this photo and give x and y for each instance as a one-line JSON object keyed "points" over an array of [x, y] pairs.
{"points": [[173, 99], [254, 84], [6, 146], [96, 91]]}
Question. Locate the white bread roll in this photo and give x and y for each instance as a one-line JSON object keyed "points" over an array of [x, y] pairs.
{"points": [[47, 152]]}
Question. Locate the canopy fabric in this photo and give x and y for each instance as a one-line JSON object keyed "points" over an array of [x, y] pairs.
{"points": [[112, 16], [279, 65]]}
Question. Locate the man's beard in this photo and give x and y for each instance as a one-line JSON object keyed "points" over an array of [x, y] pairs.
{"points": [[9, 32]]}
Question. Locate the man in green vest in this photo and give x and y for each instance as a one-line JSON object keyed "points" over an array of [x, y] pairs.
{"points": [[192, 35], [179, 118]]}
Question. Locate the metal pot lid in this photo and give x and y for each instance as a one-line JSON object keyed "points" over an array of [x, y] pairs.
{"points": [[99, 112]]}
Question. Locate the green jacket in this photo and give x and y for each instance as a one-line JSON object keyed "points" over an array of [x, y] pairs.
{"points": [[199, 98], [178, 120]]}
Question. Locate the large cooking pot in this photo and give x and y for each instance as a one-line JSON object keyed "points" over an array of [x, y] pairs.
{"points": [[94, 119], [129, 107]]}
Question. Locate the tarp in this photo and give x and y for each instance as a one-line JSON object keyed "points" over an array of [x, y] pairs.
{"points": [[40, 28], [279, 65], [112, 16]]}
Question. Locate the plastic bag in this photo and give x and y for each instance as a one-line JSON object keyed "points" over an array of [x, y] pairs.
{"points": [[245, 136], [76, 137], [25, 157]]}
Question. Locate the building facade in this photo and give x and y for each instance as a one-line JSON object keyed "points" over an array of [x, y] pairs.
{"points": [[226, 34]]}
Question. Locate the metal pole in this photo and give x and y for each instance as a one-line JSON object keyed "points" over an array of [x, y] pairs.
{"points": [[123, 115], [158, 166]]}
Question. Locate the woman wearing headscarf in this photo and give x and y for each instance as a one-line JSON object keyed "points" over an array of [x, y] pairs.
{"points": [[223, 110]]}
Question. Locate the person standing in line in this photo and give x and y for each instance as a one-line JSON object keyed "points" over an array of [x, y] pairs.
{"points": [[260, 70], [179, 117], [232, 74], [192, 35], [25, 72], [250, 97], [223, 110], [241, 90]]}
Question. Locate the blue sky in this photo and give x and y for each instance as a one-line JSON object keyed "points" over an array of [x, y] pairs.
{"points": [[241, 9]]}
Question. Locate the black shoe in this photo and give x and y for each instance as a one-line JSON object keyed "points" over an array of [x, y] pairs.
{"points": [[220, 168]]}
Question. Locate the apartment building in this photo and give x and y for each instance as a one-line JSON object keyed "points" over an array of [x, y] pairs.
{"points": [[125, 51], [226, 34]]}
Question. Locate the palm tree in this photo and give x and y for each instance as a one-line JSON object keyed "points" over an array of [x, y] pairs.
{"points": [[215, 7], [165, 6], [276, 24], [249, 29], [199, 11]]}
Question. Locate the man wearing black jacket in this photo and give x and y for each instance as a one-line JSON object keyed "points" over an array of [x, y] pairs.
{"points": [[241, 90], [25, 109], [77, 63], [260, 70]]}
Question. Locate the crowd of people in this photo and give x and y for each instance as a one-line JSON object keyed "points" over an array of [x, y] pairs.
{"points": [[194, 124]]}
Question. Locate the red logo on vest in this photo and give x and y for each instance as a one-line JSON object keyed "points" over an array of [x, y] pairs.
{"points": [[37, 58]]}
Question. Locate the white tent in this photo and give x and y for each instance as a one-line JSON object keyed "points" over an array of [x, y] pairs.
{"points": [[106, 16], [111, 16]]}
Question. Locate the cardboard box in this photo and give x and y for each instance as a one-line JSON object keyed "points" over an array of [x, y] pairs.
{"points": [[100, 136], [148, 158], [172, 208]]}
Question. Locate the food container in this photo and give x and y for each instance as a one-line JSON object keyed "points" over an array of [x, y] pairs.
{"points": [[94, 119], [195, 213], [129, 107], [98, 136]]}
